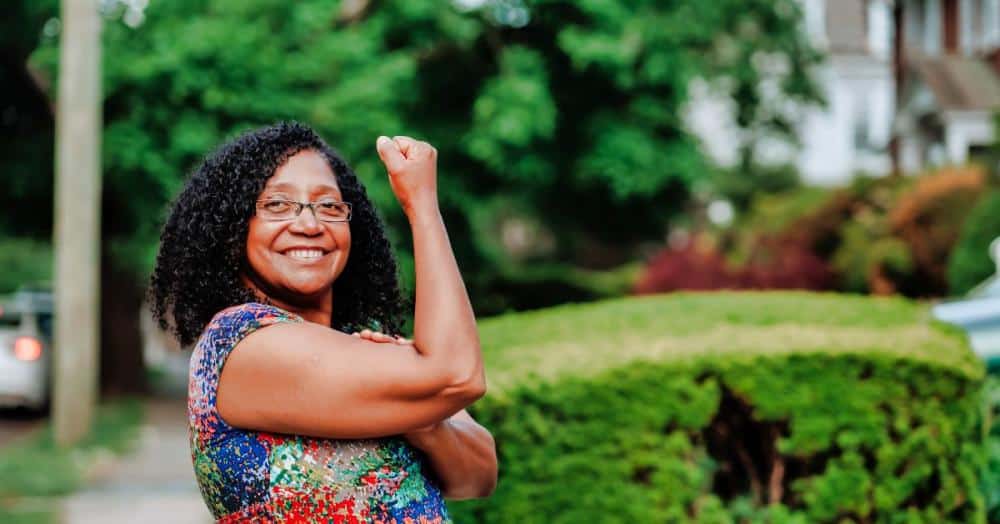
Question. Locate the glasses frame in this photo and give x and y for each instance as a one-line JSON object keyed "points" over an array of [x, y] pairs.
{"points": [[299, 206]]}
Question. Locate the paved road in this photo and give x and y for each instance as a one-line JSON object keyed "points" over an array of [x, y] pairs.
{"points": [[153, 485], [15, 423]]}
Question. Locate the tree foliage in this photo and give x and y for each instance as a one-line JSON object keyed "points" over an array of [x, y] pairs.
{"points": [[970, 263], [566, 114]]}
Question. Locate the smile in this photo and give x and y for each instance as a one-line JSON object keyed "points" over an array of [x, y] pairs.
{"points": [[305, 254]]}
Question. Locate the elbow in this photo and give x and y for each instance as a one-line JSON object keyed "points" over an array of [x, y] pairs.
{"points": [[483, 482], [480, 489], [488, 488], [469, 388], [468, 384], [490, 483], [487, 483], [462, 379], [472, 387]]}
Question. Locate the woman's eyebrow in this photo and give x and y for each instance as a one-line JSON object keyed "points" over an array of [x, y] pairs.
{"points": [[283, 186], [324, 189], [313, 190]]}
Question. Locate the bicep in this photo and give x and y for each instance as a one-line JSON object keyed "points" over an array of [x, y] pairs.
{"points": [[310, 380]]}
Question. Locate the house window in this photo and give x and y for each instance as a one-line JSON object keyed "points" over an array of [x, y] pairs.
{"points": [[860, 127], [914, 11], [932, 26], [975, 25], [878, 24], [990, 29]]}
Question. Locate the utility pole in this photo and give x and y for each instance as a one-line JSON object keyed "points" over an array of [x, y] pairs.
{"points": [[77, 221]]}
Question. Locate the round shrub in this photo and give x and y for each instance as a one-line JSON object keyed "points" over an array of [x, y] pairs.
{"points": [[731, 407], [970, 262], [929, 219]]}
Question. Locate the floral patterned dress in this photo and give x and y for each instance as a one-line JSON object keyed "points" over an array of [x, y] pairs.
{"points": [[252, 476]]}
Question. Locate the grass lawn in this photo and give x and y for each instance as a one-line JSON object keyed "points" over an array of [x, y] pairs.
{"points": [[33, 471], [587, 339]]}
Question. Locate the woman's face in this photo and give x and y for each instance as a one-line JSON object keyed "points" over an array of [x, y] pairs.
{"points": [[297, 260]]}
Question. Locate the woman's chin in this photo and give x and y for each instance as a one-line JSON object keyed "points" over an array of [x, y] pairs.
{"points": [[310, 290], [303, 289]]}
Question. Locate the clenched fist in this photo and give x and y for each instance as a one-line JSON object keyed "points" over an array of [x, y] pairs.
{"points": [[412, 167]]}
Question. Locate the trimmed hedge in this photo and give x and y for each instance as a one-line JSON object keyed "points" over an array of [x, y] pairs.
{"points": [[731, 407]]}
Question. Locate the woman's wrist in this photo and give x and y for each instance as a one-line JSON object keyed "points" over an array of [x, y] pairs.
{"points": [[423, 214]]}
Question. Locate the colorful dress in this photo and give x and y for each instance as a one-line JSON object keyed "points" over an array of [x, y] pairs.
{"points": [[253, 476]]}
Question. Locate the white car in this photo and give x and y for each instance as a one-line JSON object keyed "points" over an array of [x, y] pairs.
{"points": [[26, 350]]}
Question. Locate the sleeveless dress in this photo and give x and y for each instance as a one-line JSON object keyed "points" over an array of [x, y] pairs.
{"points": [[253, 476]]}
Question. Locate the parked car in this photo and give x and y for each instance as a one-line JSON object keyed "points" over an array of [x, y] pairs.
{"points": [[26, 350]]}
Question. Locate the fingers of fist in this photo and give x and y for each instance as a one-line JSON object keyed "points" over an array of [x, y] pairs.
{"points": [[398, 151], [412, 148]]}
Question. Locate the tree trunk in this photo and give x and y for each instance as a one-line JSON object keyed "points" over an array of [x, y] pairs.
{"points": [[77, 222], [122, 367]]}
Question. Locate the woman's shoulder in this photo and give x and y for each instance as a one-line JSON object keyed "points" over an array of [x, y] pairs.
{"points": [[247, 317], [255, 310]]}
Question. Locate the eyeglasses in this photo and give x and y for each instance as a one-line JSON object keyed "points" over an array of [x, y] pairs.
{"points": [[278, 209]]}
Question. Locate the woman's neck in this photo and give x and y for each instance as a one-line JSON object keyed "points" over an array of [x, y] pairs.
{"points": [[318, 310], [320, 313]]}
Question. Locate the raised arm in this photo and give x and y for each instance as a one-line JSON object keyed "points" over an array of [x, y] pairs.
{"points": [[443, 316], [309, 379]]}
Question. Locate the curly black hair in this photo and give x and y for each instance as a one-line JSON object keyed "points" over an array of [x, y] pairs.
{"points": [[203, 244]]}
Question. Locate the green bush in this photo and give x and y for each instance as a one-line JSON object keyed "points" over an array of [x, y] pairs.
{"points": [[732, 407], [970, 262], [991, 474]]}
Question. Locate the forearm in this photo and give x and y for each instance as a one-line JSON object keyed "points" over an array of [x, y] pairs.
{"points": [[462, 455], [444, 323]]}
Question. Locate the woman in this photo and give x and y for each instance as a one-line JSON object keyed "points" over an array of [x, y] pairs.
{"points": [[301, 421]]}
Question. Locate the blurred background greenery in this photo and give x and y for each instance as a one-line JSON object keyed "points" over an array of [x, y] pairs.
{"points": [[568, 172], [561, 143]]}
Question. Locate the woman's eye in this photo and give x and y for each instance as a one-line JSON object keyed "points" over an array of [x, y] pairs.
{"points": [[333, 210], [276, 206]]}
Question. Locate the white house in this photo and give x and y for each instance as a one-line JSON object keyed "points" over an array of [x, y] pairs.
{"points": [[938, 56], [948, 80]]}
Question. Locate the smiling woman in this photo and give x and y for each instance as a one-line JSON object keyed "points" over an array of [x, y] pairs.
{"points": [[301, 421], [292, 255]]}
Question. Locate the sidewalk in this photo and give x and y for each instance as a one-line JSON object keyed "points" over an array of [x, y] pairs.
{"points": [[155, 484]]}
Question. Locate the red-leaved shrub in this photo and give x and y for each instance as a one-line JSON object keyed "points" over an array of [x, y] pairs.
{"points": [[774, 264], [695, 266]]}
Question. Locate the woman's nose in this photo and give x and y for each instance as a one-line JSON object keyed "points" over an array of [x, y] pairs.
{"points": [[306, 222]]}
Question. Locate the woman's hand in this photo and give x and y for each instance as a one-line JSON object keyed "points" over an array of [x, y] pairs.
{"points": [[412, 167], [376, 336]]}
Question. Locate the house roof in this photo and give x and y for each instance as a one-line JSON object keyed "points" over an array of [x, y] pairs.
{"points": [[845, 26], [959, 82]]}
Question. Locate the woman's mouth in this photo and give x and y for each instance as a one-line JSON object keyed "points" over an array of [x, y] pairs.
{"points": [[305, 254]]}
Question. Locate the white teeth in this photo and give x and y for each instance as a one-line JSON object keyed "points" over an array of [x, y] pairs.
{"points": [[305, 254]]}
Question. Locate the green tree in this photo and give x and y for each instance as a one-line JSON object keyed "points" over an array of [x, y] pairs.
{"points": [[562, 117], [566, 113], [26, 123]]}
